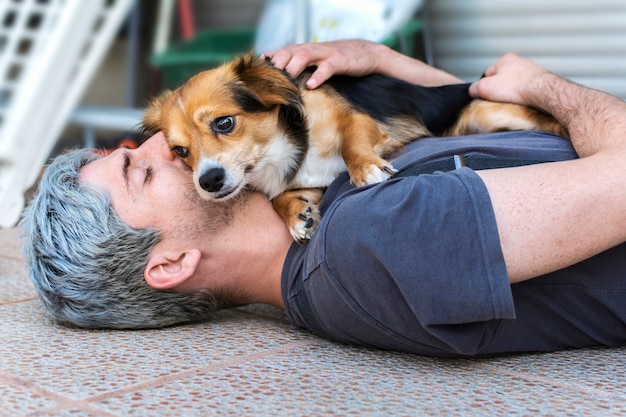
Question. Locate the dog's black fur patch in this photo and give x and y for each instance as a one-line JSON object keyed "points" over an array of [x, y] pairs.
{"points": [[382, 97], [294, 122], [247, 100]]}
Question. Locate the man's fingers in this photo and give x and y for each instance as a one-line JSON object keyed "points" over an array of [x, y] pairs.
{"points": [[298, 62], [279, 58], [295, 60], [338, 57], [291, 59], [474, 89], [323, 72]]}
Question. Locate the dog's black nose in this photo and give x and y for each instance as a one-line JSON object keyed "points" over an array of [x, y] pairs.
{"points": [[212, 180]]}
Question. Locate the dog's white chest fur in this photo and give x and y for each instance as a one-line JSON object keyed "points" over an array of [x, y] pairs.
{"points": [[323, 161], [317, 170]]}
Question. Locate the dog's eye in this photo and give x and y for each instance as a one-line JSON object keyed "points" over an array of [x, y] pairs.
{"points": [[180, 151], [223, 124]]}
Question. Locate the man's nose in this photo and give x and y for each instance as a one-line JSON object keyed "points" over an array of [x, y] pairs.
{"points": [[157, 145]]}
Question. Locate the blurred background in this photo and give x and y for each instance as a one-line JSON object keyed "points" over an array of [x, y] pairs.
{"points": [[77, 73]]}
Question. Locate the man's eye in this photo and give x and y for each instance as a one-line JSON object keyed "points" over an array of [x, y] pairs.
{"points": [[180, 151], [149, 172], [223, 125]]}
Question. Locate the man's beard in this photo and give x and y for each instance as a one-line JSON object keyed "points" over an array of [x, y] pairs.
{"points": [[217, 214]]}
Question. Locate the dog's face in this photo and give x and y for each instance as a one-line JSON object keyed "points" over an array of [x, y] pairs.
{"points": [[229, 123]]}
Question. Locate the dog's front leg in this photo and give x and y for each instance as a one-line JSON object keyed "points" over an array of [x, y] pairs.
{"points": [[362, 143], [300, 210]]}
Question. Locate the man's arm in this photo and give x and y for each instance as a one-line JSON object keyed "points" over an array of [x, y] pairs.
{"points": [[356, 58], [553, 215]]}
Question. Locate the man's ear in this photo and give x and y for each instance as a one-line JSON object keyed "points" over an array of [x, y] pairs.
{"points": [[167, 270]]}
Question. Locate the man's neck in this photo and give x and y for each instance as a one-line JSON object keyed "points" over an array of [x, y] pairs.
{"points": [[247, 258]]}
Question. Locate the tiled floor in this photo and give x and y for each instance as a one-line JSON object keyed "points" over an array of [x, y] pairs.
{"points": [[252, 362]]}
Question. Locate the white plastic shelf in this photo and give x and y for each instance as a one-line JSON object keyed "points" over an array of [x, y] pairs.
{"points": [[49, 53]]}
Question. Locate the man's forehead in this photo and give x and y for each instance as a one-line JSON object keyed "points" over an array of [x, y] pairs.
{"points": [[91, 175]]}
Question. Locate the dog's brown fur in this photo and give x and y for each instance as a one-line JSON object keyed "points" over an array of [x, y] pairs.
{"points": [[234, 117]]}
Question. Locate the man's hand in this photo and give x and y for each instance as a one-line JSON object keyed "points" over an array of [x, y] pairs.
{"points": [[511, 79], [349, 57]]}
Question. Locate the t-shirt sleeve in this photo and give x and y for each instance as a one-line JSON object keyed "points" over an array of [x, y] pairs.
{"points": [[414, 261]]}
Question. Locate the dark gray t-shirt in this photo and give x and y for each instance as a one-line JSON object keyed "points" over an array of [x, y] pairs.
{"points": [[415, 264]]}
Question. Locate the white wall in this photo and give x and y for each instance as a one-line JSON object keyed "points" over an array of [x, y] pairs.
{"points": [[584, 40]]}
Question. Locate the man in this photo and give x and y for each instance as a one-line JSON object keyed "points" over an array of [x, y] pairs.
{"points": [[458, 263]]}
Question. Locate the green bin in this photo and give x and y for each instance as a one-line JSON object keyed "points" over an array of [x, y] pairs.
{"points": [[206, 50], [211, 48]]}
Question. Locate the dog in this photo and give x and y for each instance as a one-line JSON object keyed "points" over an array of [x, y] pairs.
{"points": [[247, 124]]}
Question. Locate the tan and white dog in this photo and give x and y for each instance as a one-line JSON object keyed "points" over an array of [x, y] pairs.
{"points": [[248, 124]]}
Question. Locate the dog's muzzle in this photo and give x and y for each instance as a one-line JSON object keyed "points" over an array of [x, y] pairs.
{"points": [[212, 180], [215, 182]]}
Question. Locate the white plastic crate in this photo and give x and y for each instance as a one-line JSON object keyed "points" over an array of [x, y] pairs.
{"points": [[49, 52]]}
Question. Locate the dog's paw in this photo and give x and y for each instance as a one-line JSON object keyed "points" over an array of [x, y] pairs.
{"points": [[305, 220], [380, 174], [299, 209], [372, 173]]}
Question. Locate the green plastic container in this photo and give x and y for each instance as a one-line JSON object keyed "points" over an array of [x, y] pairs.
{"points": [[206, 50], [212, 48]]}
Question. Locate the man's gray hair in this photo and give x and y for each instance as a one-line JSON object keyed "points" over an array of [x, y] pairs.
{"points": [[87, 265]]}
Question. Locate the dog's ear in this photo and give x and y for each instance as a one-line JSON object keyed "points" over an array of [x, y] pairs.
{"points": [[151, 122], [266, 83], [262, 87]]}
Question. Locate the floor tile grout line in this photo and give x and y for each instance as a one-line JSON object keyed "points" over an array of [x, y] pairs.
{"points": [[209, 368], [87, 403], [206, 369], [26, 385], [573, 387], [13, 258], [63, 402], [23, 300]]}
